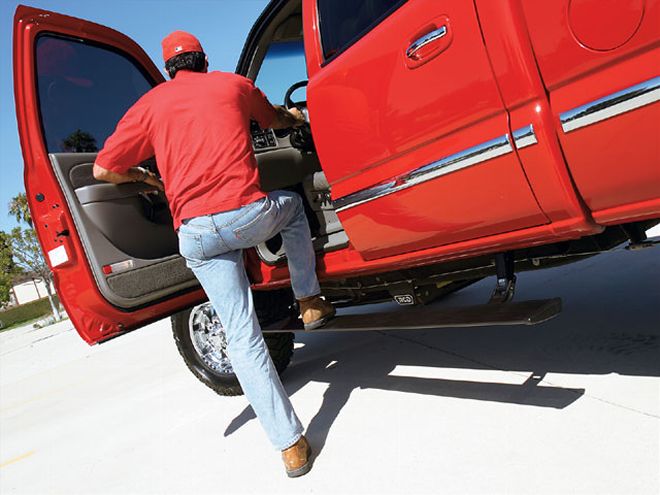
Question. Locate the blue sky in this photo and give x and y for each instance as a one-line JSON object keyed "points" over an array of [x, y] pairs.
{"points": [[221, 25]]}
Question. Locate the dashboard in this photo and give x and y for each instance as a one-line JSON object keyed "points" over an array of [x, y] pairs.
{"points": [[262, 139]]}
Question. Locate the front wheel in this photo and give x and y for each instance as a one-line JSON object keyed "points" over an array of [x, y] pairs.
{"points": [[202, 343]]}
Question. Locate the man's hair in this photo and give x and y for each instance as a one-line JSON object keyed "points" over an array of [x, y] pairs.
{"points": [[192, 61]]}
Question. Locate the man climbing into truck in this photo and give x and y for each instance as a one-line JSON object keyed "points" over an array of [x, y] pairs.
{"points": [[197, 127]]}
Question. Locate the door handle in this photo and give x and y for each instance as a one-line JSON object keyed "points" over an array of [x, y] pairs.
{"points": [[428, 38]]}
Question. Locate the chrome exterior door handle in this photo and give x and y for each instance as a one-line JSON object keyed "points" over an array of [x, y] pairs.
{"points": [[412, 50]]}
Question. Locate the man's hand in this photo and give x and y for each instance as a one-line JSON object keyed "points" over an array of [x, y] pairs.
{"points": [[299, 116], [135, 174], [287, 118], [153, 180]]}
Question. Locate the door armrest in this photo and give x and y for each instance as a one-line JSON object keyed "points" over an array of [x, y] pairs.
{"points": [[109, 192]]}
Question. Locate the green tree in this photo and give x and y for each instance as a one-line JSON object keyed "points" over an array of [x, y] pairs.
{"points": [[26, 251], [19, 209], [79, 142], [8, 269], [27, 256]]}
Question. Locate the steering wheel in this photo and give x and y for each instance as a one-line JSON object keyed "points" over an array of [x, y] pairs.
{"points": [[288, 102], [301, 137]]}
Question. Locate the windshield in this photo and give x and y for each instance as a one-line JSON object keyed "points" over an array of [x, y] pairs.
{"points": [[283, 66]]}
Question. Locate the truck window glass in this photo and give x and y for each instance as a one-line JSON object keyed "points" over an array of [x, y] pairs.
{"points": [[343, 22], [283, 65], [83, 92]]}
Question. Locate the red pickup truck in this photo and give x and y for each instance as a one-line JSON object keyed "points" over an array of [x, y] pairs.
{"points": [[448, 141]]}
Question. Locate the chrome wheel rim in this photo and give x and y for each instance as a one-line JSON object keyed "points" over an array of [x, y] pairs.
{"points": [[209, 339]]}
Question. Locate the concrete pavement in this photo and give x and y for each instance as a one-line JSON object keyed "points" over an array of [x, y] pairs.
{"points": [[570, 406]]}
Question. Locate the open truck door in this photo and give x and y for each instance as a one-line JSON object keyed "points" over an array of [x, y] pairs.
{"points": [[112, 248]]}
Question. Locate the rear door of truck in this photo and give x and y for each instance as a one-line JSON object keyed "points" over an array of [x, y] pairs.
{"points": [[409, 125], [600, 64], [112, 248]]}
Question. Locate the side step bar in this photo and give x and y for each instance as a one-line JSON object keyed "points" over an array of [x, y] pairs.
{"points": [[519, 313]]}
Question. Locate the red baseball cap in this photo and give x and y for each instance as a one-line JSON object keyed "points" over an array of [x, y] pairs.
{"points": [[179, 42]]}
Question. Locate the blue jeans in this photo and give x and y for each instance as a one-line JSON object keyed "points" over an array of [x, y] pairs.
{"points": [[212, 246]]}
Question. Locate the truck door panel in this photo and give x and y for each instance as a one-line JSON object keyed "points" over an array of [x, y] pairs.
{"points": [[395, 118], [599, 61], [148, 234], [119, 233], [127, 234]]}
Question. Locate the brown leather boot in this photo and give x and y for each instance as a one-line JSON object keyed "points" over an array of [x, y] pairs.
{"points": [[315, 312], [296, 458]]}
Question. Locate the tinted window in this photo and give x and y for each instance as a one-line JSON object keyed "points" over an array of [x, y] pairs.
{"points": [[83, 92], [283, 65], [344, 21]]}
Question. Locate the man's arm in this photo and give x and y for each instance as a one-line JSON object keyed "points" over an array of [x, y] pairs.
{"points": [[268, 115], [134, 174], [287, 118], [127, 145]]}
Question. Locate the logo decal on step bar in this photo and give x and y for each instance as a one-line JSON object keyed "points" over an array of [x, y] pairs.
{"points": [[404, 299]]}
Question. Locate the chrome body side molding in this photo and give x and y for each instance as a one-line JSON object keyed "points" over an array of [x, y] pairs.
{"points": [[467, 158], [524, 137], [615, 104], [612, 105]]}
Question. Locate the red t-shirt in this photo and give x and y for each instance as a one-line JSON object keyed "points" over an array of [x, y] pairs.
{"points": [[198, 127]]}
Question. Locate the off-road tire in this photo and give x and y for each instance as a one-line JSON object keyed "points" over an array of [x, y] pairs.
{"points": [[271, 306]]}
